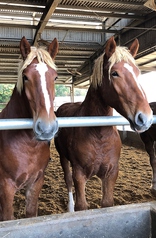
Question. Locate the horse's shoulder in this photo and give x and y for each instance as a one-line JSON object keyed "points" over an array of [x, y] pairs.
{"points": [[67, 109]]}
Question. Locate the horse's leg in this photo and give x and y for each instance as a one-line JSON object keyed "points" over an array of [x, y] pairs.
{"points": [[68, 180], [150, 148], [80, 179], [7, 193], [32, 194], [153, 165], [108, 184]]}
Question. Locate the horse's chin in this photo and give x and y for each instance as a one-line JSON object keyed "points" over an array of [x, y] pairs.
{"points": [[44, 137], [138, 129]]}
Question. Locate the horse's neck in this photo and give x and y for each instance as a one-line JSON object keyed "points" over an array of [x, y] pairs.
{"points": [[17, 107], [95, 105]]}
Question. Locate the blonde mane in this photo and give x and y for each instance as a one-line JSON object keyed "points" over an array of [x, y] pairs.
{"points": [[41, 55], [121, 53]]}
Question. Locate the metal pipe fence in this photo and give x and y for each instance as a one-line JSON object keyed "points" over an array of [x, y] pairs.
{"points": [[12, 124]]}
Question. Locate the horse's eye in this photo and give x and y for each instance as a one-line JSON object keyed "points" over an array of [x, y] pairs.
{"points": [[56, 78], [25, 78], [115, 74]]}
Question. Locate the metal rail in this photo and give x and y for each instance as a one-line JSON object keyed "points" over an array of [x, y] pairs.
{"points": [[12, 124]]}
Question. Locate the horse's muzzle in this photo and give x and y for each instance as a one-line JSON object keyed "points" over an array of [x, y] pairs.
{"points": [[45, 131], [141, 122]]}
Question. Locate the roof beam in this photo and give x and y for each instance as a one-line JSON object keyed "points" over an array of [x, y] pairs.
{"points": [[150, 69], [28, 2], [82, 29], [21, 8], [93, 9], [50, 8], [97, 14], [116, 2]]}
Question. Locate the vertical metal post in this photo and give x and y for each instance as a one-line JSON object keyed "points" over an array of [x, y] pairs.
{"points": [[124, 132], [103, 35], [72, 93]]}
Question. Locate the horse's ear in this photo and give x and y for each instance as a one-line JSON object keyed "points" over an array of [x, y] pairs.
{"points": [[24, 47], [134, 47], [110, 47], [53, 48]]}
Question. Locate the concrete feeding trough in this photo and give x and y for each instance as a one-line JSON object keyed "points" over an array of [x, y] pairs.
{"points": [[126, 221]]}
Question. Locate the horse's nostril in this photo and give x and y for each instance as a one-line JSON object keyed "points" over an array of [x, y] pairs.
{"points": [[140, 119], [38, 126]]}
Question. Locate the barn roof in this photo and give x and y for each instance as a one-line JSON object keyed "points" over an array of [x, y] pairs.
{"points": [[81, 27]]}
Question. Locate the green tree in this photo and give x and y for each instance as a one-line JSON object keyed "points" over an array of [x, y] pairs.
{"points": [[5, 92], [80, 92], [61, 90]]}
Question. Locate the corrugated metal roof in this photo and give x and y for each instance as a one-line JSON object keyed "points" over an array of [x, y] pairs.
{"points": [[81, 27]]}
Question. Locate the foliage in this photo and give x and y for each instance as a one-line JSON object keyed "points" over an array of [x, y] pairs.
{"points": [[80, 92], [5, 92], [61, 90]]}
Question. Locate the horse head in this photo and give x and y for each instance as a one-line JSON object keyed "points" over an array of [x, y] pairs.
{"points": [[37, 77], [124, 93]]}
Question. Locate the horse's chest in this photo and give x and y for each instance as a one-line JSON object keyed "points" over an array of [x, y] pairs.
{"points": [[100, 138], [93, 150], [23, 161]]}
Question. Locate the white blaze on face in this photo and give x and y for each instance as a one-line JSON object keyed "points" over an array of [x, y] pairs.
{"points": [[42, 69], [130, 69]]}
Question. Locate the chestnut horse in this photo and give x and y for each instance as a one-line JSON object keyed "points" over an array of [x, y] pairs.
{"points": [[96, 150], [24, 154], [149, 138]]}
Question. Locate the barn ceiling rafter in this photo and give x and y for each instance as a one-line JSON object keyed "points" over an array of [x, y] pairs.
{"points": [[81, 27]]}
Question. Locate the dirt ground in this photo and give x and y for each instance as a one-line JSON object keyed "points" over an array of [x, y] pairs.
{"points": [[132, 186]]}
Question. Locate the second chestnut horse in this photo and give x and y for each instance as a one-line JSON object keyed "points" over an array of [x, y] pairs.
{"points": [[96, 150]]}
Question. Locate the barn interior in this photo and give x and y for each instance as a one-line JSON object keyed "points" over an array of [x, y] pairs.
{"points": [[81, 28]]}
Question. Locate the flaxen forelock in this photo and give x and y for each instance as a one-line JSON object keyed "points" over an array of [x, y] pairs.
{"points": [[41, 55], [121, 53]]}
